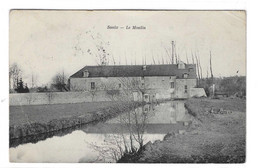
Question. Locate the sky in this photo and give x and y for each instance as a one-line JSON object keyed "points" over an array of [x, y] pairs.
{"points": [[44, 43]]}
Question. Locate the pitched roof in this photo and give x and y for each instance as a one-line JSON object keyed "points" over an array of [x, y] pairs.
{"points": [[136, 71]]}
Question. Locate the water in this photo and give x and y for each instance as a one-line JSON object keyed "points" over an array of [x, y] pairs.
{"points": [[102, 142]]}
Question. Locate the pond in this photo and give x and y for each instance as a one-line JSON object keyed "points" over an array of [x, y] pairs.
{"points": [[106, 141]]}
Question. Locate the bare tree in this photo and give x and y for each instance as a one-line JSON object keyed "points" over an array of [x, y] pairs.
{"points": [[193, 62], [59, 81], [15, 73], [187, 58], [92, 44], [207, 73], [121, 144], [211, 71], [173, 52], [34, 79], [162, 60], [200, 66], [198, 69], [154, 61], [125, 60], [134, 119], [50, 96], [169, 57], [93, 92], [176, 56], [111, 90], [113, 93], [30, 98], [135, 84]]}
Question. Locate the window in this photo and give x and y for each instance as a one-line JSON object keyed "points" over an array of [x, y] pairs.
{"points": [[185, 89], [185, 75], [92, 85], [85, 73], [119, 85], [172, 84], [190, 69], [181, 65]]}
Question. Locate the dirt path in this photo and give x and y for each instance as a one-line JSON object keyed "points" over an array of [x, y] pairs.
{"points": [[217, 135]]}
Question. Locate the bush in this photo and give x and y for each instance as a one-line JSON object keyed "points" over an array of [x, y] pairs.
{"points": [[234, 85]]}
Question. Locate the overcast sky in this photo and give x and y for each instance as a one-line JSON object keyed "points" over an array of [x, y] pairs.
{"points": [[46, 42]]}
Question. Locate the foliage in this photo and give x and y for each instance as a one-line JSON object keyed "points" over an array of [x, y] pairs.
{"points": [[232, 86], [59, 81], [21, 88], [42, 89]]}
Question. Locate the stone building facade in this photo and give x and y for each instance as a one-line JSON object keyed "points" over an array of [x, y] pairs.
{"points": [[147, 82]]}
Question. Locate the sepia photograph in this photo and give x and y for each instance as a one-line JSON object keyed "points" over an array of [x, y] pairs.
{"points": [[127, 86]]}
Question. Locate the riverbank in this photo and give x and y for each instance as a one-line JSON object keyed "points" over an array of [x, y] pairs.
{"points": [[216, 135], [31, 120]]}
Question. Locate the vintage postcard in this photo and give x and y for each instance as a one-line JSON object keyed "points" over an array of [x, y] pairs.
{"points": [[118, 86]]}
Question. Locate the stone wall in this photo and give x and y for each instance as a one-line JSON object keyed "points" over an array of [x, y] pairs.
{"points": [[179, 91], [55, 98], [198, 92], [156, 86]]}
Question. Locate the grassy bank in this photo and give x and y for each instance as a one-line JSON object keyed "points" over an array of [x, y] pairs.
{"points": [[43, 113], [217, 135], [31, 120]]}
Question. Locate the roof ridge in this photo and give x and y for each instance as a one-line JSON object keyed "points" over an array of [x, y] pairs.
{"points": [[135, 70]]}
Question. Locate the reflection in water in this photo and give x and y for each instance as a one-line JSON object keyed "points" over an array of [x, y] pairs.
{"points": [[107, 142]]}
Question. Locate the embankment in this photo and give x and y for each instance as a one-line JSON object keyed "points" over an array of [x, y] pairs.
{"points": [[216, 135], [36, 128]]}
